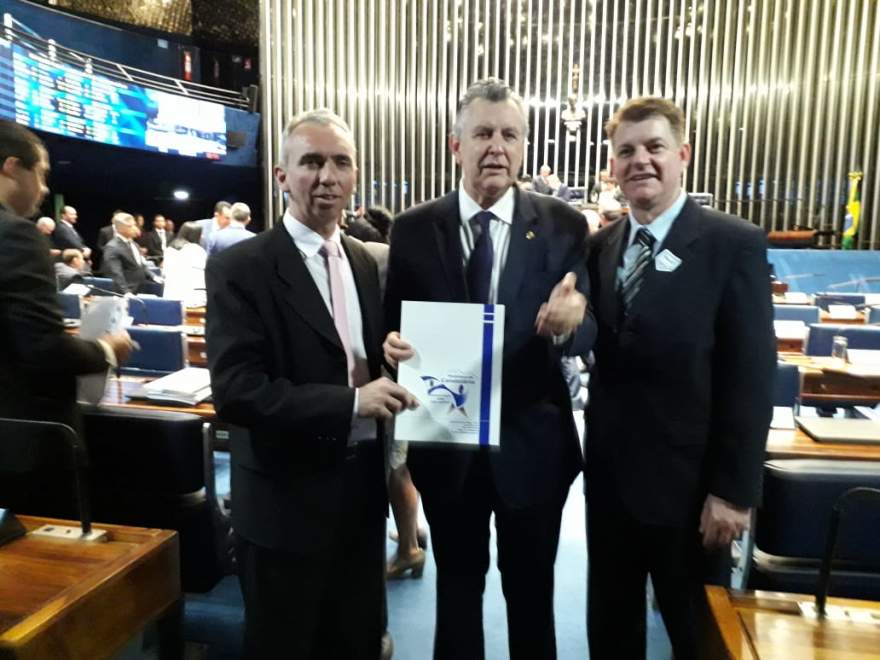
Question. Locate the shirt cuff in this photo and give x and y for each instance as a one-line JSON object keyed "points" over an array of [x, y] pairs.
{"points": [[108, 353], [559, 340], [354, 410]]}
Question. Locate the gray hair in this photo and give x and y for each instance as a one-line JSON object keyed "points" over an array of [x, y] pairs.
{"points": [[241, 212], [321, 117], [46, 222], [493, 90], [122, 219]]}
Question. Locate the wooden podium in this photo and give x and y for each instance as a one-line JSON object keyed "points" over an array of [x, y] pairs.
{"points": [[756, 625], [62, 598]]}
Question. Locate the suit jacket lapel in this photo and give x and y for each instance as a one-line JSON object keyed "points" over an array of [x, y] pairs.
{"points": [[609, 261], [366, 280], [522, 250], [684, 231], [447, 233], [303, 295]]}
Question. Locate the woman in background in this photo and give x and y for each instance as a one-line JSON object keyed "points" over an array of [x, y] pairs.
{"points": [[184, 267]]}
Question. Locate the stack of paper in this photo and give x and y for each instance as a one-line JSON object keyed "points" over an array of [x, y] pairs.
{"points": [[188, 386]]}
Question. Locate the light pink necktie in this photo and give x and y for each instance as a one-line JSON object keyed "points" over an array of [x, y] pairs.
{"points": [[356, 375]]}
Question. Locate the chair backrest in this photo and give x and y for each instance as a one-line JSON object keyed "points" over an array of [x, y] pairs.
{"points": [[820, 337], [873, 315], [822, 300], [71, 305], [796, 510], [156, 311], [806, 313], [153, 469], [788, 385], [152, 288], [102, 283], [162, 351]]}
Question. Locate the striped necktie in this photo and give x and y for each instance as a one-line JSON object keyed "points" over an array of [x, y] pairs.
{"points": [[632, 279]]}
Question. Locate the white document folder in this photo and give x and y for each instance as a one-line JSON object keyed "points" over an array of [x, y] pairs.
{"points": [[455, 373]]}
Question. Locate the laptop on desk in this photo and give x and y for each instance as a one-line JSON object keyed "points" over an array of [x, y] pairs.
{"points": [[832, 430]]}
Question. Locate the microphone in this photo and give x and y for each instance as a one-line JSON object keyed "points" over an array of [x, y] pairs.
{"points": [[79, 279], [858, 280]]}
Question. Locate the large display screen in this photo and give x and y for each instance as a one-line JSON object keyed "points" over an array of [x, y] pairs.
{"points": [[51, 96]]}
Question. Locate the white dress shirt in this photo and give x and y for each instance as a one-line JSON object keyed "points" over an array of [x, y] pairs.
{"points": [[309, 244], [659, 228]]}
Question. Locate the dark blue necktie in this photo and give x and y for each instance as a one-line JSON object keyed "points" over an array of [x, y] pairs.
{"points": [[479, 266]]}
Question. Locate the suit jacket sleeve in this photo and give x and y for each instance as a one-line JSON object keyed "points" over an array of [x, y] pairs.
{"points": [[246, 389], [35, 332], [743, 374]]}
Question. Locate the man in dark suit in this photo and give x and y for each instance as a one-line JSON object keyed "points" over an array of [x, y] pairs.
{"points": [[39, 361], [294, 331], [157, 239], [122, 260], [489, 242], [66, 237], [680, 397]]}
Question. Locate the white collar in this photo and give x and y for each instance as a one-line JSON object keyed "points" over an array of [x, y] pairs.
{"points": [[308, 241], [659, 227], [502, 209]]}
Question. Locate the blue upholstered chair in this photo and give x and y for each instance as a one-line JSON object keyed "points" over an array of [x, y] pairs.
{"points": [[820, 337], [792, 525], [822, 300], [873, 315], [806, 313], [787, 389], [156, 311], [71, 306], [162, 351]]}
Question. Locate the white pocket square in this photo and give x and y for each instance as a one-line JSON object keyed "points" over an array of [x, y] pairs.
{"points": [[666, 262]]}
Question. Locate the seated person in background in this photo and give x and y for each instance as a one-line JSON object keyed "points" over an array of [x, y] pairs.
{"points": [[236, 232], [184, 267], [71, 267], [609, 210], [46, 226], [123, 261], [356, 226], [156, 240]]}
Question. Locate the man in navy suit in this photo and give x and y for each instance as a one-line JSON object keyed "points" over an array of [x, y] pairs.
{"points": [[489, 242], [680, 396], [66, 237]]}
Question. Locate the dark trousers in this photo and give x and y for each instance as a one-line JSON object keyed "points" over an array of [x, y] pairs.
{"points": [[622, 553], [317, 606], [527, 542]]}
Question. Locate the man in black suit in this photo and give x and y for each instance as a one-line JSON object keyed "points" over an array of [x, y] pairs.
{"points": [[157, 239], [39, 361], [489, 242], [294, 331], [680, 397], [122, 260], [66, 237]]}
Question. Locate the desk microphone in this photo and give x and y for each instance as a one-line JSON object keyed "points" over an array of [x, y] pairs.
{"points": [[78, 279], [858, 280]]}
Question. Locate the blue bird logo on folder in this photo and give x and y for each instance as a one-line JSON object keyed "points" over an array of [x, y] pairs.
{"points": [[440, 391]]}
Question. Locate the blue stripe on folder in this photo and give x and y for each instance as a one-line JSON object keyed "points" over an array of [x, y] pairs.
{"points": [[486, 377]]}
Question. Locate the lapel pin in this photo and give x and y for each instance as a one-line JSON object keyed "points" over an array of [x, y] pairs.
{"points": [[530, 235]]}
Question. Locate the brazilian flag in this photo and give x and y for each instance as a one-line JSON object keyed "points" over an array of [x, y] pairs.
{"points": [[853, 211]]}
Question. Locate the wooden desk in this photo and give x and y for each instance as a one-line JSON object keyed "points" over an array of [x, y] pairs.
{"points": [[761, 625], [67, 599], [825, 317], [827, 382], [118, 393], [797, 444], [195, 348], [195, 315]]}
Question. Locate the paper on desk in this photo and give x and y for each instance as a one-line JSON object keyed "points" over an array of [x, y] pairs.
{"points": [[843, 312], [455, 373], [790, 329], [783, 418], [796, 298], [103, 315]]}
